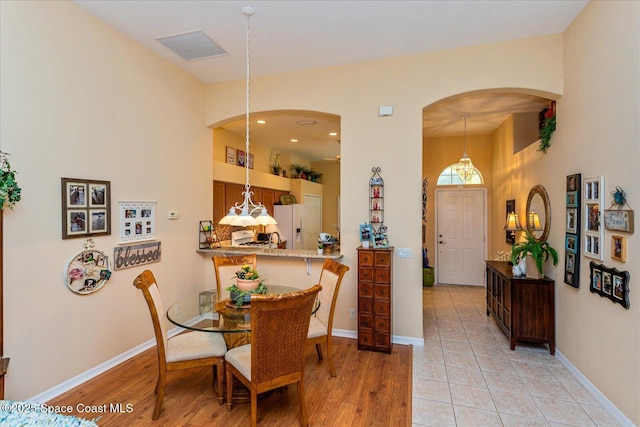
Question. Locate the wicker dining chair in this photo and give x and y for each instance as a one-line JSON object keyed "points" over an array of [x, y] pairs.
{"points": [[183, 351], [321, 323], [276, 356], [225, 268]]}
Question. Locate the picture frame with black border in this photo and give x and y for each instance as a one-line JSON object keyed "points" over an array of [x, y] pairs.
{"points": [[572, 227], [86, 207], [610, 283]]}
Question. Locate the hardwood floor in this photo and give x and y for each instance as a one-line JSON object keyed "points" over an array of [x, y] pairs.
{"points": [[371, 389]]}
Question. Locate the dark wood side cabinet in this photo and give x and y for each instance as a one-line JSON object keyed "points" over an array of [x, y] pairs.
{"points": [[374, 299], [524, 308]]}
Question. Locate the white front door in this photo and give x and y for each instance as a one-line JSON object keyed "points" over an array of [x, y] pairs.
{"points": [[460, 236]]}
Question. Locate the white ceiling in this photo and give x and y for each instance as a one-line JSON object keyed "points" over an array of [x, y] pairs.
{"points": [[291, 35]]}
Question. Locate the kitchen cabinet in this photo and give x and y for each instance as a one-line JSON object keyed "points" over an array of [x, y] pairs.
{"points": [[220, 207], [375, 274], [524, 308], [225, 194]]}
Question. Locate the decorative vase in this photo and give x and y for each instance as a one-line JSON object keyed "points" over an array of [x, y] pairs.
{"points": [[247, 285], [532, 269]]}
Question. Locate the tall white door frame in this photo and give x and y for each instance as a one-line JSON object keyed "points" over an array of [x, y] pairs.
{"points": [[466, 265]]}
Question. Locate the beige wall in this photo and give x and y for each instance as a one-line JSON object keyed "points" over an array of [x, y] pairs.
{"points": [[394, 143], [81, 100]]}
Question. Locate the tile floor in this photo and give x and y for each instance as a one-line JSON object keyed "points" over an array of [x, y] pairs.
{"points": [[466, 375]]}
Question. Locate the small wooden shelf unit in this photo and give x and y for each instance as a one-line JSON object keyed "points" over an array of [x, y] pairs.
{"points": [[523, 307], [374, 299]]}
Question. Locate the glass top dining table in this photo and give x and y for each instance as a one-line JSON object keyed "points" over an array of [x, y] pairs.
{"points": [[203, 312]]}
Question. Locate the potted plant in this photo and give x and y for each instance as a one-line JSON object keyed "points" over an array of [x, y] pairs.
{"points": [[535, 252], [9, 189], [247, 282], [297, 170]]}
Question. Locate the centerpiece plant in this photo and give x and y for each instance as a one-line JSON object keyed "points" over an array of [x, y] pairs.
{"points": [[248, 282], [539, 251]]}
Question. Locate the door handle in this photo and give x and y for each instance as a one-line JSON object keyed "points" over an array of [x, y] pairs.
{"points": [[442, 242]]}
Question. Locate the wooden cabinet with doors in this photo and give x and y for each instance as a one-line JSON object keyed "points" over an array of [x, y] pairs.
{"points": [[375, 299], [523, 307], [225, 194]]}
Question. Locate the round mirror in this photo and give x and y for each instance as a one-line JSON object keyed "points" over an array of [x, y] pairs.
{"points": [[538, 215]]}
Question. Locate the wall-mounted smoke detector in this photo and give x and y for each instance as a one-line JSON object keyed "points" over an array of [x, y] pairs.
{"points": [[192, 46]]}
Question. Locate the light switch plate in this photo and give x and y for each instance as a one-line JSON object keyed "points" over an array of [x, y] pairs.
{"points": [[404, 252], [174, 215]]}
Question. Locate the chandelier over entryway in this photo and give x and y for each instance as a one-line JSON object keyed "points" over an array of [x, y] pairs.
{"points": [[465, 168]]}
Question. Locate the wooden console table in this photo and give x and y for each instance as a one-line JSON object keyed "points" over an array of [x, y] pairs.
{"points": [[524, 308]]}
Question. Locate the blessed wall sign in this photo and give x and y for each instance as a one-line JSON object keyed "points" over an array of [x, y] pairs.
{"points": [[136, 255]]}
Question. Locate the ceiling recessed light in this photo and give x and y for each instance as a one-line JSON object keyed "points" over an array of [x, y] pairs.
{"points": [[333, 133], [293, 140], [261, 122]]}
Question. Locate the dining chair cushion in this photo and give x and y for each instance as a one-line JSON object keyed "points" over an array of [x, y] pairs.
{"points": [[240, 357], [316, 328], [195, 345]]}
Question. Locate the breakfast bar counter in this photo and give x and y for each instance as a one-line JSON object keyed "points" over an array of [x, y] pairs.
{"points": [[269, 252]]}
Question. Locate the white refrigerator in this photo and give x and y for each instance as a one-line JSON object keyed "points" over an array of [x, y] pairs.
{"points": [[291, 223]]}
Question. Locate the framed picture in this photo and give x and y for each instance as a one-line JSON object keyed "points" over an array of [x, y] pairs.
{"points": [[610, 283], [572, 220], [240, 155], [137, 221], [231, 155], [366, 233], [250, 161], [510, 206], [570, 243], [572, 199], [85, 207], [380, 240], [593, 229], [619, 248], [618, 220], [572, 228]]}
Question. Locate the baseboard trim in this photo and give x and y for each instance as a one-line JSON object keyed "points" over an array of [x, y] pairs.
{"points": [[396, 339], [593, 390], [67, 385]]}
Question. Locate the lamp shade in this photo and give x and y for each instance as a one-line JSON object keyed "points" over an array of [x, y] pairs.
{"points": [[534, 222], [513, 223]]}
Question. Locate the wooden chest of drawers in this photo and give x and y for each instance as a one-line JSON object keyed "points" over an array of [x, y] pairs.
{"points": [[374, 299]]}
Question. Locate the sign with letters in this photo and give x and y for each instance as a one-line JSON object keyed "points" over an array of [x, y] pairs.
{"points": [[136, 255]]}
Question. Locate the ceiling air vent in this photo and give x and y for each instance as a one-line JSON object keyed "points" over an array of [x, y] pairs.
{"points": [[192, 46]]}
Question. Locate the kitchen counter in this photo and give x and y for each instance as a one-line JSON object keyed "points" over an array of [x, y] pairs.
{"points": [[269, 252]]}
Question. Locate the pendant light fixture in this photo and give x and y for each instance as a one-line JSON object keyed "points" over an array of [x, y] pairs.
{"points": [[465, 168], [248, 213]]}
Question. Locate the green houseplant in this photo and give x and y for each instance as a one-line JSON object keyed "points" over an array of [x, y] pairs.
{"points": [[9, 189], [248, 282], [539, 251]]}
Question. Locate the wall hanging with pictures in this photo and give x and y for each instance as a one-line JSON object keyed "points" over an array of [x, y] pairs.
{"points": [[87, 271], [137, 221], [593, 228], [572, 228], [610, 283], [85, 207]]}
